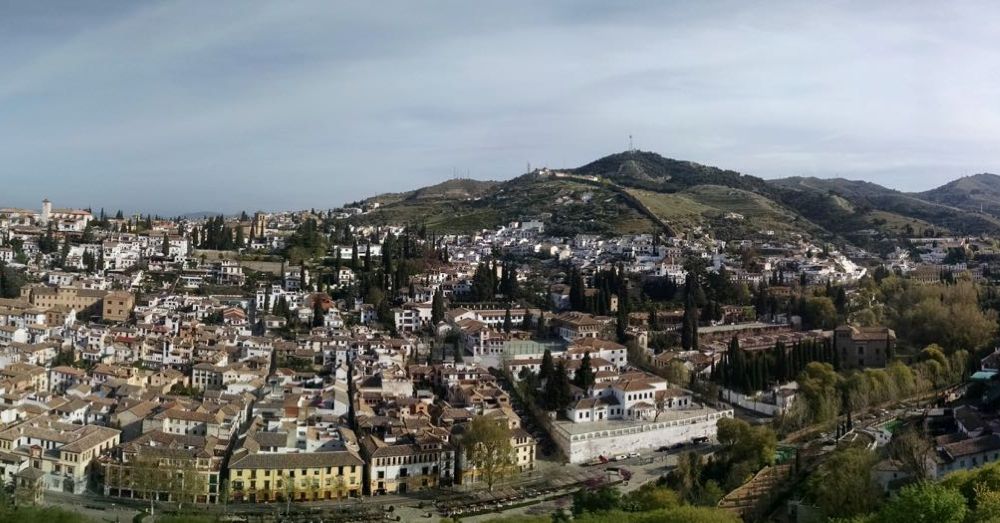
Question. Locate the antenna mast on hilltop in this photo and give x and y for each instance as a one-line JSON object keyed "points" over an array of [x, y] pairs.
{"points": [[631, 149]]}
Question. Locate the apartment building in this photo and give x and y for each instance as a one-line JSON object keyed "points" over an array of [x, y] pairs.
{"points": [[62, 453], [314, 476], [166, 467], [397, 465]]}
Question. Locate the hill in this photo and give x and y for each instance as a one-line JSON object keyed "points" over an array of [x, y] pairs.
{"points": [[568, 207], [728, 212], [457, 188], [454, 189], [853, 207], [641, 191], [979, 192], [649, 170]]}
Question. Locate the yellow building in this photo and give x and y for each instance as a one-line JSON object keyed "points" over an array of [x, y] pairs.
{"points": [[311, 476]]}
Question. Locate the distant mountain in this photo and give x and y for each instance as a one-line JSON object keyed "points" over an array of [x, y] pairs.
{"points": [[641, 191], [979, 192]]}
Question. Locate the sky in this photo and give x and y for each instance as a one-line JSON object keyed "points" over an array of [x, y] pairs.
{"points": [[175, 107]]}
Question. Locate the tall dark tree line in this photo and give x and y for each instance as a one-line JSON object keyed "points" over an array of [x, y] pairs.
{"points": [[750, 371]]}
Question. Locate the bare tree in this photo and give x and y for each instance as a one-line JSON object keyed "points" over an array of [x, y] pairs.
{"points": [[487, 448], [912, 450]]}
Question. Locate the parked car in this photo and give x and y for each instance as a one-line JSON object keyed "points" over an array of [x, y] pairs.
{"points": [[621, 457]]}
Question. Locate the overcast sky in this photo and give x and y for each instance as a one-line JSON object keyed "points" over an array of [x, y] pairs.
{"points": [[174, 107]]}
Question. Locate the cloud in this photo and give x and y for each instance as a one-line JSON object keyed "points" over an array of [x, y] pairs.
{"points": [[186, 106]]}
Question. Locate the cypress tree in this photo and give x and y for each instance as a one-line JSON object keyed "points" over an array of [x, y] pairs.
{"points": [[654, 320], [318, 312], [546, 368], [437, 307], [508, 324], [557, 389], [584, 377]]}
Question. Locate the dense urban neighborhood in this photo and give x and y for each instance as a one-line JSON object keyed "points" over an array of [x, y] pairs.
{"points": [[266, 364]]}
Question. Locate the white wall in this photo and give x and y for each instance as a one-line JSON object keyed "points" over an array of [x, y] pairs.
{"points": [[749, 403], [629, 437]]}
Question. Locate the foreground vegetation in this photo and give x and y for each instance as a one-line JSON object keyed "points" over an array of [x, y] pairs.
{"points": [[650, 503]]}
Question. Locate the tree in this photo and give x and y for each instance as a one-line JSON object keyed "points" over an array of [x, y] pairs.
{"points": [[912, 451], [584, 377], [318, 312], [487, 447], [602, 499], [949, 315], [842, 486], [165, 247], [526, 320], [819, 384], [508, 281], [192, 483], [484, 282], [547, 367], [819, 313], [508, 324], [924, 502], [437, 307], [577, 290], [64, 252], [557, 389], [542, 330], [650, 497], [689, 323], [11, 281], [686, 477], [677, 373], [742, 442]]}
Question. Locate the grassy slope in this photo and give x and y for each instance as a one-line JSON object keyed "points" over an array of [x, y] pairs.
{"points": [[707, 206]]}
